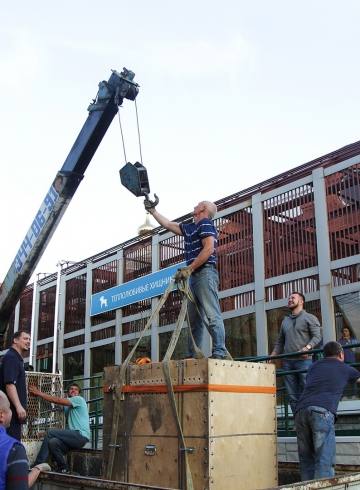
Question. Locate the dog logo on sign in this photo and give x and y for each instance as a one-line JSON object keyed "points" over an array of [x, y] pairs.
{"points": [[103, 302]]}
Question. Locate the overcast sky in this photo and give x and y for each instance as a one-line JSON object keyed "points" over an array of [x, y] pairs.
{"points": [[231, 93]]}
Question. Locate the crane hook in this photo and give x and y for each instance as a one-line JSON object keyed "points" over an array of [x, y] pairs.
{"points": [[153, 203]]}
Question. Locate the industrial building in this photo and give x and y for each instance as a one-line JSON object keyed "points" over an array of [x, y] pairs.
{"points": [[298, 231]]}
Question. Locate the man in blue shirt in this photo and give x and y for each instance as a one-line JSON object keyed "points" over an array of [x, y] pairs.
{"points": [[12, 381], [14, 468], [59, 441], [315, 413], [200, 241]]}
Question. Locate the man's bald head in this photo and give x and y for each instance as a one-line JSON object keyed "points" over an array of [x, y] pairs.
{"points": [[210, 208], [5, 412], [4, 402], [205, 209]]}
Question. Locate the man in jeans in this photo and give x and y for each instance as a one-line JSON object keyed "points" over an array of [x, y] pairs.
{"points": [[200, 241], [299, 332], [59, 441], [315, 413]]}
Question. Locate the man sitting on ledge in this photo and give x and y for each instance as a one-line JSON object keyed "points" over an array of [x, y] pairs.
{"points": [[59, 441]]}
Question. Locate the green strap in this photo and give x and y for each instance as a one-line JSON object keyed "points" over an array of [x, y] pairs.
{"points": [[121, 380], [166, 364], [186, 293]]}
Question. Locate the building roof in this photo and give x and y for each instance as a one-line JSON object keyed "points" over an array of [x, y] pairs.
{"points": [[291, 175]]}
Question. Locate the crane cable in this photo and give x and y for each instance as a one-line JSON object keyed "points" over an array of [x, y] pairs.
{"points": [[138, 129], [122, 135]]}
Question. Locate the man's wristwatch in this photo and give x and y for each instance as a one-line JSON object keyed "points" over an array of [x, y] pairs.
{"points": [[308, 347]]}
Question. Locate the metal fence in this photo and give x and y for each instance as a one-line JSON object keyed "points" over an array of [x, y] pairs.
{"points": [[42, 415], [348, 422], [349, 415]]}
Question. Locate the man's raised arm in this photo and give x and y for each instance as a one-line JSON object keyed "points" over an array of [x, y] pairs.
{"points": [[166, 223], [50, 398]]}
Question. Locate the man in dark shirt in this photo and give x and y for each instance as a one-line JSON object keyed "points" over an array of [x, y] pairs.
{"points": [[315, 413], [200, 242], [12, 381]]}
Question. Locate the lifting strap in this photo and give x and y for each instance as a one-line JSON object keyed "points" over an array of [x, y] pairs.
{"points": [[186, 294], [120, 382]]}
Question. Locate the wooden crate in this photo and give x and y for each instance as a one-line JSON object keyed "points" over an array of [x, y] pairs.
{"points": [[227, 411]]}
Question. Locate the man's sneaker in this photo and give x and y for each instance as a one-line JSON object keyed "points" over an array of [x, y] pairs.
{"points": [[217, 356], [68, 472]]}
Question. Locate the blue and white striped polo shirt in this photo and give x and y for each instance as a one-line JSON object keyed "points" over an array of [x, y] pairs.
{"points": [[193, 233]]}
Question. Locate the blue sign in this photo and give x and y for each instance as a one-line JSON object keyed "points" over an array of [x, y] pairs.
{"points": [[143, 288]]}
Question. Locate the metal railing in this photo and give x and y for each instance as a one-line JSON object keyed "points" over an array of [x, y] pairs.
{"points": [[285, 422], [349, 419]]}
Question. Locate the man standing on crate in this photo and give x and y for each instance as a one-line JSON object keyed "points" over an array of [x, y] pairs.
{"points": [[315, 413], [200, 241], [299, 332], [59, 441], [12, 381]]}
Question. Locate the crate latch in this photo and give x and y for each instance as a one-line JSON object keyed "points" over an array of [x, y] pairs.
{"points": [[188, 449], [150, 450]]}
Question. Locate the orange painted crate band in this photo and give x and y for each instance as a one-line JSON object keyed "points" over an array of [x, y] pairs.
{"points": [[193, 388], [227, 415]]}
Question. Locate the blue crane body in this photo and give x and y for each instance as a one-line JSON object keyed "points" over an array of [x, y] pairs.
{"points": [[102, 111]]}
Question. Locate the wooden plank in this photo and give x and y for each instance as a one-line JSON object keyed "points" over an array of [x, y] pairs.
{"points": [[154, 461], [120, 459], [151, 414], [243, 463], [227, 411]]}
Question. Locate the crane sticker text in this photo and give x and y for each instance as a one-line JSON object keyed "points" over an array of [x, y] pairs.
{"points": [[37, 225]]}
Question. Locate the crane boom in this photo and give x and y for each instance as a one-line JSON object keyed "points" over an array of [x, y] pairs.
{"points": [[110, 95]]}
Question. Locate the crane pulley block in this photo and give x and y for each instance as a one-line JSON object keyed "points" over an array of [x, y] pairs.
{"points": [[102, 110], [135, 179]]}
